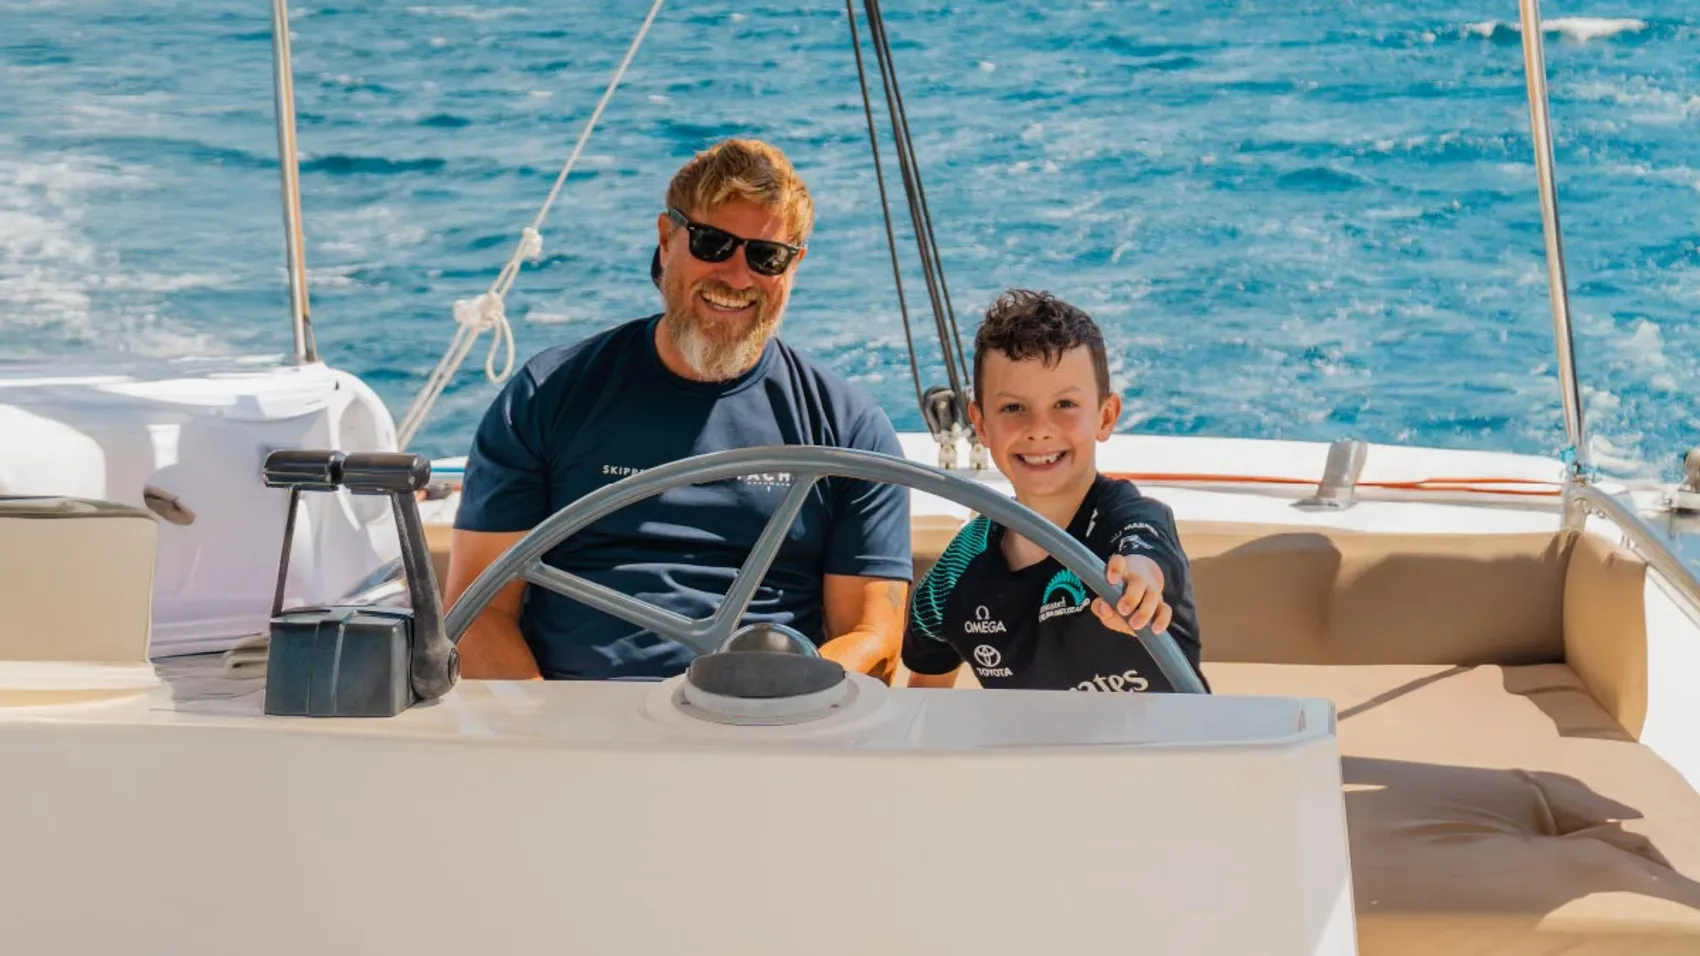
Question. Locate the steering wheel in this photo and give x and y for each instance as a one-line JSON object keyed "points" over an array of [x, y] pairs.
{"points": [[806, 464]]}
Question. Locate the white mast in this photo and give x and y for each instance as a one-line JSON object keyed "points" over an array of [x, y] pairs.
{"points": [[283, 81], [1540, 129]]}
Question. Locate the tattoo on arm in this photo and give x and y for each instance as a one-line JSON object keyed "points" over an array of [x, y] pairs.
{"points": [[894, 594]]}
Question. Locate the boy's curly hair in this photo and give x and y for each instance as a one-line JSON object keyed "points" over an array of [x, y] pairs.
{"points": [[1024, 324]]}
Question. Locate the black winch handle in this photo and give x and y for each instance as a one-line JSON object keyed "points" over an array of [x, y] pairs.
{"points": [[304, 470], [436, 664], [385, 473]]}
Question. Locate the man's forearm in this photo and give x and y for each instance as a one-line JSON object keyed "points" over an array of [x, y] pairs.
{"points": [[865, 650], [494, 649]]}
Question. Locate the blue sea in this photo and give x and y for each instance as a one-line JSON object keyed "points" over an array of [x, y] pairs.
{"points": [[1295, 218]]}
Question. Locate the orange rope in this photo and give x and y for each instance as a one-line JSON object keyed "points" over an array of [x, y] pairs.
{"points": [[1426, 484]]}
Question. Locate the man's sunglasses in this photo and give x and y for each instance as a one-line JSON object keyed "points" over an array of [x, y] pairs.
{"points": [[709, 244]]}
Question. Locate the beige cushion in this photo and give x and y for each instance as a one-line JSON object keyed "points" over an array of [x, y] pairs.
{"points": [[929, 535], [1501, 810], [1297, 595], [1605, 628], [76, 580]]}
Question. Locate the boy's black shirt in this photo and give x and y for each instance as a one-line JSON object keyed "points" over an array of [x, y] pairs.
{"points": [[1034, 628]]}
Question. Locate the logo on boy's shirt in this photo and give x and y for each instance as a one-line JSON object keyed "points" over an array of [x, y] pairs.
{"points": [[1127, 682], [1128, 539], [983, 624], [986, 661], [1064, 594]]}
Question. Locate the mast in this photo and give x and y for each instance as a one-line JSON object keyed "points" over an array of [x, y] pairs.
{"points": [[295, 245], [1540, 129]]}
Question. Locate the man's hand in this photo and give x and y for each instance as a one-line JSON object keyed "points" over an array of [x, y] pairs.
{"points": [[1141, 601], [493, 647], [865, 618]]}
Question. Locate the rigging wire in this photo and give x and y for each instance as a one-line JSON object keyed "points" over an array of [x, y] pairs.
{"points": [[921, 195], [885, 204], [944, 317], [906, 167]]}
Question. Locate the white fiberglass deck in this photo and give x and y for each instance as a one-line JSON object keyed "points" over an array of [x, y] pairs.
{"points": [[590, 817]]}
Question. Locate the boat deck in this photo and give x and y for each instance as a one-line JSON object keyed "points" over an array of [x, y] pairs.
{"points": [[1501, 810]]}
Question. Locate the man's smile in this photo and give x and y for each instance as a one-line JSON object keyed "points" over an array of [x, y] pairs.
{"points": [[728, 303]]}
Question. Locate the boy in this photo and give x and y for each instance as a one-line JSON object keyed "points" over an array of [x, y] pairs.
{"points": [[1042, 402]]}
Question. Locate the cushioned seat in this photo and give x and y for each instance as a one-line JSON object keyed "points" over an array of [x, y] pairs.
{"points": [[76, 589], [1500, 810], [76, 580]]}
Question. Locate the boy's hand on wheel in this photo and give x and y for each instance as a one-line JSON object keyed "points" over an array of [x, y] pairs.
{"points": [[1141, 601]]}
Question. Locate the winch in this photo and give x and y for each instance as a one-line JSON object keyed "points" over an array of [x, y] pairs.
{"points": [[358, 660]]}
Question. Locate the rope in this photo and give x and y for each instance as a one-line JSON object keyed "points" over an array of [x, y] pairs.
{"points": [[1527, 487], [488, 312]]}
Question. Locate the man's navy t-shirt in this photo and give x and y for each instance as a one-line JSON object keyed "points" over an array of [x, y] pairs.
{"points": [[581, 416]]}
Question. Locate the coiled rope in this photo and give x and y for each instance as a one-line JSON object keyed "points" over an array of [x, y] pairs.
{"points": [[488, 312]]}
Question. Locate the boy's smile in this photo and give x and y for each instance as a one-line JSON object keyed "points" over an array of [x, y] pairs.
{"points": [[1042, 423]]}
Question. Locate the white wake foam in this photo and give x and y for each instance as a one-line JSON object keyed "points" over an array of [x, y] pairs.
{"points": [[1581, 29], [49, 266]]}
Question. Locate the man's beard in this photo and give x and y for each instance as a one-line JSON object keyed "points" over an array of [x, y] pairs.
{"points": [[718, 349]]}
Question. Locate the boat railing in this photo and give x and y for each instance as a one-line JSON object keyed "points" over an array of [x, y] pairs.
{"points": [[1583, 499]]}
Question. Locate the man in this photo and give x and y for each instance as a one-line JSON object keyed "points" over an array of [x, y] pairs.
{"points": [[707, 374]]}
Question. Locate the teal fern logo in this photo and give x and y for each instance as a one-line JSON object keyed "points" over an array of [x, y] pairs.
{"points": [[935, 588], [1064, 594]]}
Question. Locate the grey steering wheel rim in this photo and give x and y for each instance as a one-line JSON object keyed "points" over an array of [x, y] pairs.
{"points": [[806, 464]]}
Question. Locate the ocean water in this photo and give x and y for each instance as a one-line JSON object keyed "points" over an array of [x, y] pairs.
{"points": [[1294, 218]]}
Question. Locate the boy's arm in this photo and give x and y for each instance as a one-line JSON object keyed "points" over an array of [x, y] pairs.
{"points": [[1142, 600], [1141, 545]]}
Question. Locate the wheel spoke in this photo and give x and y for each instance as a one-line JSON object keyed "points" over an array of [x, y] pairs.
{"points": [[766, 548], [662, 622]]}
